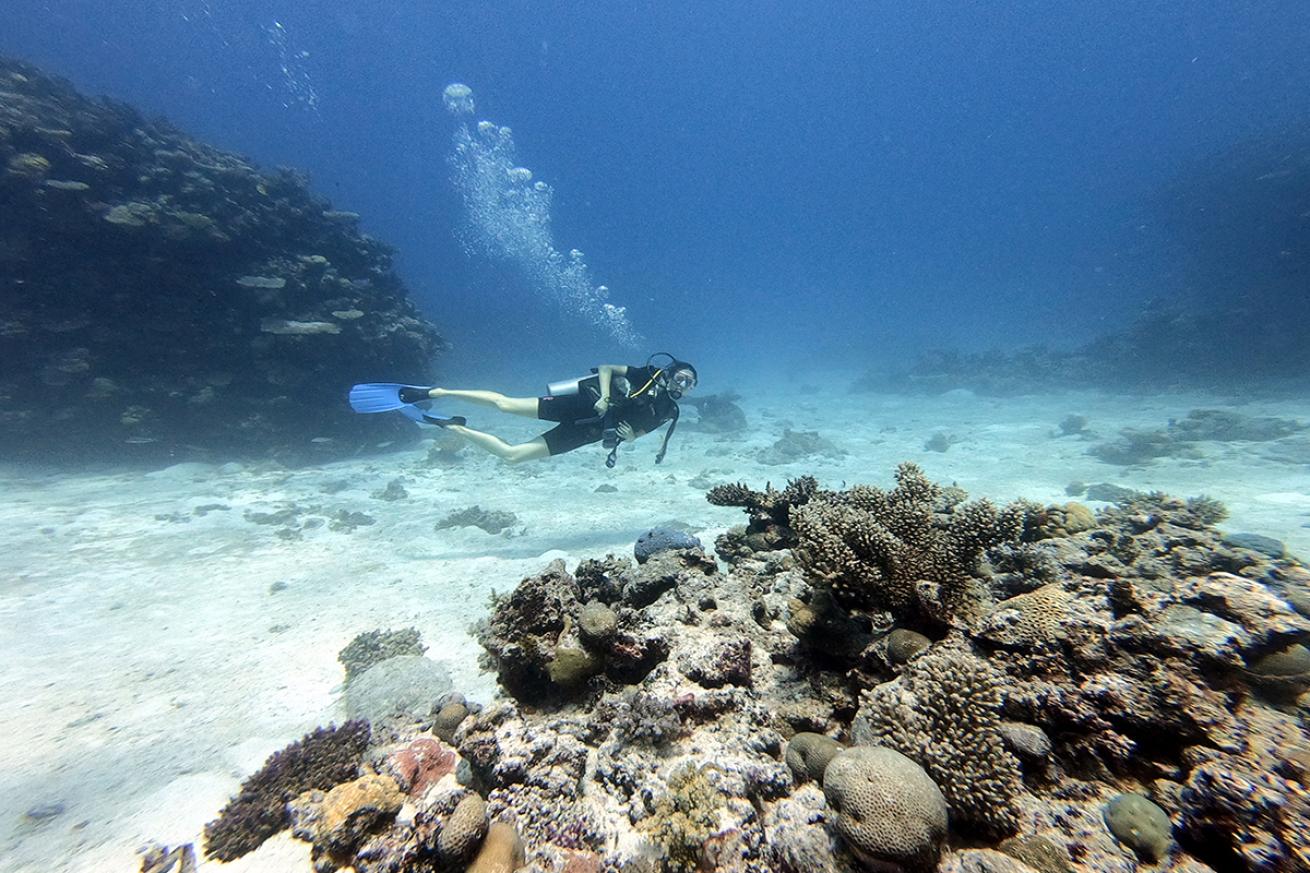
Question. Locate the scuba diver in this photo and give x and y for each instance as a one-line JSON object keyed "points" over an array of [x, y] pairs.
{"points": [[614, 405]]}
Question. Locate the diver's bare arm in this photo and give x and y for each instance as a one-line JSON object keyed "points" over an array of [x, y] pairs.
{"points": [[606, 373]]}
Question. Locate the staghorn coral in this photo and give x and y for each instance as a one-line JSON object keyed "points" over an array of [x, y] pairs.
{"points": [[322, 760], [945, 713], [875, 548]]}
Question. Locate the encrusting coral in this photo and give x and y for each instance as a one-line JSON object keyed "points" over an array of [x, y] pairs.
{"points": [[684, 817]]}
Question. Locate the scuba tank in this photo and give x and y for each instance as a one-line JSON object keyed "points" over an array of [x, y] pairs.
{"points": [[565, 387], [569, 387]]}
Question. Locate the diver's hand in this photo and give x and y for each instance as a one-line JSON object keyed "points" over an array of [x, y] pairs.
{"points": [[602, 406], [626, 433]]}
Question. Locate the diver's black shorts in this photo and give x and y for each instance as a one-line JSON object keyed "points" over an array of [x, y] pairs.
{"points": [[569, 435], [578, 425]]}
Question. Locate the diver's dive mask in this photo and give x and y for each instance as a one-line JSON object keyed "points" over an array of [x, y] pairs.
{"points": [[679, 383]]}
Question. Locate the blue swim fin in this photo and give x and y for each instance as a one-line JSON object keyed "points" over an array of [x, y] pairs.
{"points": [[420, 416], [385, 396]]}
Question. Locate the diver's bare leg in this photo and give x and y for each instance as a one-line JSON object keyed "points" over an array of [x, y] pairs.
{"points": [[530, 451], [513, 405]]}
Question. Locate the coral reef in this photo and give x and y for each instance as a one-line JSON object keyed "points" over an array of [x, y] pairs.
{"points": [[770, 515], [944, 712], [1135, 447], [373, 647], [493, 521], [892, 551], [676, 716], [887, 808], [547, 643], [1164, 348], [164, 296], [320, 760]]}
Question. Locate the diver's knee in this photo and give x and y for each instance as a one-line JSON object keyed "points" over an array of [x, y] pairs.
{"points": [[526, 452]]}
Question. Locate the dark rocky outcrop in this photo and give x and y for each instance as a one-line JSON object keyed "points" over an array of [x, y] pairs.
{"points": [[160, 296]]}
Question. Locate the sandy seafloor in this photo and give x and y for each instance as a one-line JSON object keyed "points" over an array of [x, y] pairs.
{"points": [[149, 667]]}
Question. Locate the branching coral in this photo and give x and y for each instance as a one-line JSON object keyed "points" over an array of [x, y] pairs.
{"points": [[322, 760], [374, 647], [770, 510], [945, 713], [890, 550]]}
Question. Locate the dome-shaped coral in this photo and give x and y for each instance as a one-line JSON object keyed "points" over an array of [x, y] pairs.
{"points": [[888, 810]]}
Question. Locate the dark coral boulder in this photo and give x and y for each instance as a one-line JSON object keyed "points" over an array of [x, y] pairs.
{"points": [[159, 296]]}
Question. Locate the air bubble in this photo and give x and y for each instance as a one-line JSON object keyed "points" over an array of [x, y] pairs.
{"points": [[458, 99], [507, 216]]}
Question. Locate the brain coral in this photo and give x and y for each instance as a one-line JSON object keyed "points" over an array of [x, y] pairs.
{"points": [[944, 712], [463, 831], [888, 809], [1031, 620]]}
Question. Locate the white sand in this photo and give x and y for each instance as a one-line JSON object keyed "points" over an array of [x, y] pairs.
{"points": [[148, 667]]}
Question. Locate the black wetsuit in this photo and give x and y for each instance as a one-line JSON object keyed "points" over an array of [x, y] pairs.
{"points": [[579, 425]]}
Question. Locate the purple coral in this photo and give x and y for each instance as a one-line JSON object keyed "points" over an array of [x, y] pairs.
{"points": [[322, 760]]}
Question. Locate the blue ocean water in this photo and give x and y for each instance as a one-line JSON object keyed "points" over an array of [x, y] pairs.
{"points": [[760, 185], [857, 216]]}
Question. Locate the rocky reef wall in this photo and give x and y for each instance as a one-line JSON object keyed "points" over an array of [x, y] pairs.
{"points": [[159, 296]]}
